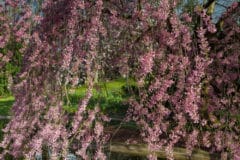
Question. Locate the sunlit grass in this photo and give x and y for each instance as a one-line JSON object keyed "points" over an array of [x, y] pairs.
{"points": [[108, 95], [5, 104]]}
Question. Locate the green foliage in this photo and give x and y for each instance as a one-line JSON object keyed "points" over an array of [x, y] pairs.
{"points": [[111, 96], [5, 105], [11, 68]]}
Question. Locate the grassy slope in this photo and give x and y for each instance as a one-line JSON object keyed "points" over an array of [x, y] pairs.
{"points": [[103, 93], [5, 104], [109, 96]]}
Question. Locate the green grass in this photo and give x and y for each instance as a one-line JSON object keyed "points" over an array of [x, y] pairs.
{"points": [[109, 95], [5, 105]]}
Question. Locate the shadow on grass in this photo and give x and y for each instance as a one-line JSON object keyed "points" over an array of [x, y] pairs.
{"points": [[5, 107]]}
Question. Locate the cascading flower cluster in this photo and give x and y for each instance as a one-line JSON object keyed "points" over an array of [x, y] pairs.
{"points": [[58, 45], [187, 75], [177, 90], [14, 29]]}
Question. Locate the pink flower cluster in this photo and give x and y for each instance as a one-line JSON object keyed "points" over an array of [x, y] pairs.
{"points": [[187, 76]]}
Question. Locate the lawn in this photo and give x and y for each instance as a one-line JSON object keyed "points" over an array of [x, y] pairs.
{"points": [[5, 105], [111, 97]]}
